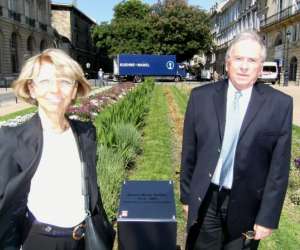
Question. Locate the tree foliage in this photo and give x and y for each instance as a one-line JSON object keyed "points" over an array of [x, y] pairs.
{"points": [[168, 27]]}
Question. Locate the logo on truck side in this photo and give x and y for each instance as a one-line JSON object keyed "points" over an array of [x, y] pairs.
{"points": [[142, 65], [170, 65]]}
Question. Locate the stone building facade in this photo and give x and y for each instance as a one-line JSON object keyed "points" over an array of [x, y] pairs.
{"points": [[230, 17], [25, 30], [73, 34], [280, 28]]}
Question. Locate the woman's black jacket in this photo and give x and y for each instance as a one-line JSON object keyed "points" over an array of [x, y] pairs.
{"points": [[20, 153]]}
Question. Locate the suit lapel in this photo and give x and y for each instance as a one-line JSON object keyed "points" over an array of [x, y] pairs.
{"points": [[29, 147], [220, 105], [256, 101]]}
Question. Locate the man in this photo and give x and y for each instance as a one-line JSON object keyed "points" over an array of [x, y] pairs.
{"points": [[236, 154]]}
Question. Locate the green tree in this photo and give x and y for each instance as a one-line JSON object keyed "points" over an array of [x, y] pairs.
{"points": [[128, 31], [170, 27], [180, 29]]}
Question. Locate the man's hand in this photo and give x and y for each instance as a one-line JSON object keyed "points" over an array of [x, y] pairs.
{"points": [[185, 210], [261, 232]]}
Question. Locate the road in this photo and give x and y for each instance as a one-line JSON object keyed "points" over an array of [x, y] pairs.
{"points": [[7, 97]]}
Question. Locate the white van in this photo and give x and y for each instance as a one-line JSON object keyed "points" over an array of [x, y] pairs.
{"points": [[269, 72]]}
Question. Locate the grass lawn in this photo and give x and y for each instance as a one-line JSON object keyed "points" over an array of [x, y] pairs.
{"points": [[156, 161], [181, 98], [18, 113]]}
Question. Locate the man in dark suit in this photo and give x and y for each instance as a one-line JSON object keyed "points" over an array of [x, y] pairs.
{"points": [[236, 154]]}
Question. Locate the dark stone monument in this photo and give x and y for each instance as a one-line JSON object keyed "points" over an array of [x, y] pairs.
{"points": [[147, 216]]}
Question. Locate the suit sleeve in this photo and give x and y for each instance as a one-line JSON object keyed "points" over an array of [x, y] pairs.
{"points": [[189, 147], [5, 156], [9, 237], [277, 180]]}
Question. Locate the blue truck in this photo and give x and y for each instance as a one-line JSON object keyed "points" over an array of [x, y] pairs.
{"points": [[137, 66]]}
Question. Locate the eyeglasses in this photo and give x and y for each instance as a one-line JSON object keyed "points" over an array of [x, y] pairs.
{"points": [[63, 83], [249, 235]]}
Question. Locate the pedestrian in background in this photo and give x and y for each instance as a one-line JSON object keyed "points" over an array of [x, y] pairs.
{"points": [[100, 76], [236, 154], [41, 201], [216, 76]]}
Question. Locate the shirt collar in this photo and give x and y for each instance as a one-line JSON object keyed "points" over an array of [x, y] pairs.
{"points": [[245, 92]]}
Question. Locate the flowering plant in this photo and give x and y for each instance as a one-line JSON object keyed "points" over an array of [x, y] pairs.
{"points": [[297, 162], [89, 107]]}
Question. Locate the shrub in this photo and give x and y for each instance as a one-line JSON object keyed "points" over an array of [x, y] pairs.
{"points": [[120, 142], [132, 109], [127, 141], [111, 173]]}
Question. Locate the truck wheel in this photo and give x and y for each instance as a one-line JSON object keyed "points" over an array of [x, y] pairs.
{"points": [[137, 79], [177, 78]]}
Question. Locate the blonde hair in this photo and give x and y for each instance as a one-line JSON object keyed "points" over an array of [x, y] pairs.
{"points": [[64, 66]]}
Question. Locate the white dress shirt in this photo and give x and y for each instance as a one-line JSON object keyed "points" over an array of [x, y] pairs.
{"points": [[243, 105], [55, 195]]}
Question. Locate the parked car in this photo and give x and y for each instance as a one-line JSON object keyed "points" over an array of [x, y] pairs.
{"points": [[269, 72], [190, 77]]}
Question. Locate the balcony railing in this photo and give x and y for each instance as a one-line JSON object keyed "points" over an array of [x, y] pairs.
{"points": [[283, 14], [30, 21], [43, 26], [14, 15]]}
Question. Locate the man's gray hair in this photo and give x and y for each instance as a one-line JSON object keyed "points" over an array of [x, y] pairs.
{"points": [[248, 35]]}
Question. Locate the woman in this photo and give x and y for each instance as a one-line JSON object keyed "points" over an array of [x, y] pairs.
{"points": [[41, 201]]}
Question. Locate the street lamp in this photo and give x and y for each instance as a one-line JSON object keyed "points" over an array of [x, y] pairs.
{"points": [[286, 67]]}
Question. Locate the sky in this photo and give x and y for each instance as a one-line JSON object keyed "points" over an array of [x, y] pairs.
{"points": [[102, 10]]}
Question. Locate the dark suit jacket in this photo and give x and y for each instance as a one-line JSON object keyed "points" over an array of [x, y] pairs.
{"points": [[262, 158], [20, 153]]}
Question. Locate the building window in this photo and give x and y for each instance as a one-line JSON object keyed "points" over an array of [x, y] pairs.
{"points": [[41, 11], [293, 69], [278, 40], [43, 45], [12, 5], [14, 53], [27, 7], [295, 33], [30, 45]]}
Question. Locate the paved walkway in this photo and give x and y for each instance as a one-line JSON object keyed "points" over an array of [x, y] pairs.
{"points": [[293, 91]]}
